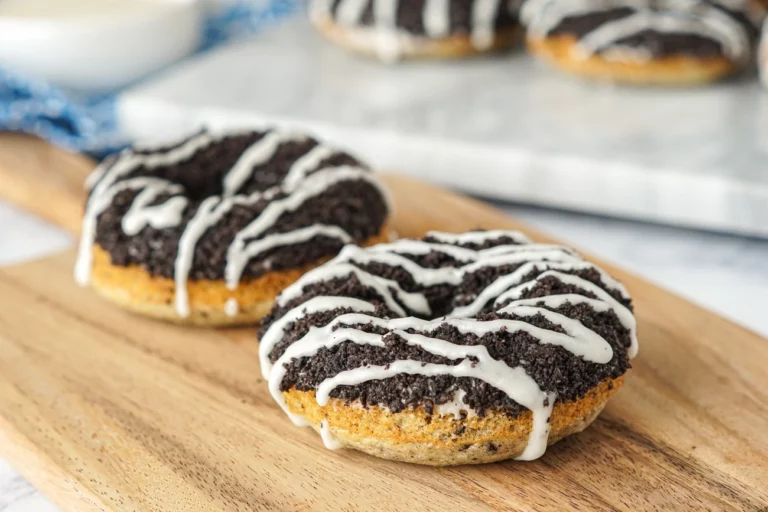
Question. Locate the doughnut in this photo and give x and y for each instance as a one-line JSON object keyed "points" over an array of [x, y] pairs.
{"points": [[651, 42], [452, 349], [209, 229], [396, 29]]}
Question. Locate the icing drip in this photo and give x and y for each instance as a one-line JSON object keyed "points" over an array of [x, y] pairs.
{"points": [[303, 181], [329, 441], [437, 22], [703, 18], [474, 361], [513, 381], [231, 308], [484, 16], [392, 41], [98, 204], [106, 187], [387, 40]]}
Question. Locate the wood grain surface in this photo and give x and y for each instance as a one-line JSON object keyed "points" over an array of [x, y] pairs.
{"points": [[103, 410], [43, 179]]}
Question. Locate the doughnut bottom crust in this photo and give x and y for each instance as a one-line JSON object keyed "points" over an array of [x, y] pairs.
{"points": [[364, 41], [670, 71], [136, 290], [443, 440]]}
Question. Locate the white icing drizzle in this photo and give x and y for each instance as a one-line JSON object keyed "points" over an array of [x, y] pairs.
{"points": [[161, 216], [107, 186], [350, 12], [695, 17], [451, 275], [384, 287], [503, 283], [476, 362], [484, 16], [232, 307], [95, 175], [241, 250], [535, 257], [237, 263], [258, 154], [625, 316], [298, 186], [455, 406], [437, 20], [306, 164], [97, 204], [478, 237], [385, 27], [316, 305], [329, 441], [513, 381], [210, 211], [390, 41]]}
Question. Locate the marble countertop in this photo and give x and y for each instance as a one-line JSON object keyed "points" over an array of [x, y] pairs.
{"points": [[727, 274], [690, 156]]}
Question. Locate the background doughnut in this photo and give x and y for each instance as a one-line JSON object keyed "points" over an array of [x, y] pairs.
{"points": [[668, 42], [395, 29], [208, 230]]}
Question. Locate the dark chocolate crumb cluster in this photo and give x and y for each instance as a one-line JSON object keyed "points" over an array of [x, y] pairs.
{"points": [[355, 206], [410, 15], [554, 368], [659, 43]]}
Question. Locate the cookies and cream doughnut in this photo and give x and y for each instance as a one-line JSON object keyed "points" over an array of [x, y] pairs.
{"points": [[394, 29], [454, 349], [673, 42], [210, 229]]}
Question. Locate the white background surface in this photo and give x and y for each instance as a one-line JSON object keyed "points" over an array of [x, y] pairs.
{"points": [[728, 274], [504, 127]]}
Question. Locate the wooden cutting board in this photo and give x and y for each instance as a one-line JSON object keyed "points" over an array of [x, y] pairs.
{"points": [[103, 410]]}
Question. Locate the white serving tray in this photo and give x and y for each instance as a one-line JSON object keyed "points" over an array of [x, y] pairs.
{"points": [[503, 127]]}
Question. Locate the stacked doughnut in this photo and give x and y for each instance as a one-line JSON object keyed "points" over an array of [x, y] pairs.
{"points": [[673, 42], [669, 42], [208, 230], [452, 349], [395, 29]]}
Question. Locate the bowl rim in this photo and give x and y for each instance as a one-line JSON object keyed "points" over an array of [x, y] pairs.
{"points": [[103, 20]]}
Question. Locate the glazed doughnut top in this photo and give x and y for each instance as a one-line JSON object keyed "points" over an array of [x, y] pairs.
{"points": [[228, 206], [432, 18], [456, 324], [647, 29]]}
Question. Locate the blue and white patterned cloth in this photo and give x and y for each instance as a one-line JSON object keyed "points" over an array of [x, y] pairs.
{"points": [[89, 123]]}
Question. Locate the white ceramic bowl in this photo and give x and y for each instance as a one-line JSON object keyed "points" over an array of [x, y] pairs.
{"points": [[103, 51]]}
